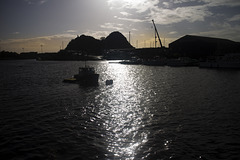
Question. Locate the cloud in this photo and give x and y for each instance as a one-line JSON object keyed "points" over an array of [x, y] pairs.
{"points": [[166, 4], [209, 3], [139, 5], [112, 26], [131, 19], [235, 18], [71, 31], [228, 32], [218, 25], [215, 3], [182, 1], [125, 13], [171, 11], [16, 33], [170, 16], [173, 32], [160, 11], [40, 2]]}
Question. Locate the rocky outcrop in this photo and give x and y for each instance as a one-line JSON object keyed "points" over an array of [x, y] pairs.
{"points": [[94, 46], [85, 44], [116, 41]]}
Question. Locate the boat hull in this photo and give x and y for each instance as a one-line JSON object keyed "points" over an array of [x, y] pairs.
{"points": [[87, 80]]}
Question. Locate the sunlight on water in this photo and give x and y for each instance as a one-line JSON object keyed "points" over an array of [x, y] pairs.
{"points": [[123, 120]]}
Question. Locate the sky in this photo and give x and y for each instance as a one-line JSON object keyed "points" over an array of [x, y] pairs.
{"points": [[49, 25]]}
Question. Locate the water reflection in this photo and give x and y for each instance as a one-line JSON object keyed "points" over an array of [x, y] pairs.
{"points": [[121, 109]]}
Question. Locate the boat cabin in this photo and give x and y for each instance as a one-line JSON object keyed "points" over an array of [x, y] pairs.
{"points": [[86, 70]]}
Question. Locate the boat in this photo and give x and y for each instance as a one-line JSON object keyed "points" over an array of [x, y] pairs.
{"points": [[182, 62], [133, 61], [229, 61], [86, 76], [155, 62]]}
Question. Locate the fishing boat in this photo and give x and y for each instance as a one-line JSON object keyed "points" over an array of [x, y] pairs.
{"points": [[86, 76]]}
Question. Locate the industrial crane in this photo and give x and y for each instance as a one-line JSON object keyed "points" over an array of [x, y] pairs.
{"points": [[156, 35]]}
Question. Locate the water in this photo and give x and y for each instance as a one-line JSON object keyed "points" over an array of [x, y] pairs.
{"points": [[148, 113]]}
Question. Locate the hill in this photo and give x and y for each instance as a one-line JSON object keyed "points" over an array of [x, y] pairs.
{"points": [[85, 44], [116, 41], [93, 46]]}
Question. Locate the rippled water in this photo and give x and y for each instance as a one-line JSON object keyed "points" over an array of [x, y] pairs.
{"points": [[148, 112]]}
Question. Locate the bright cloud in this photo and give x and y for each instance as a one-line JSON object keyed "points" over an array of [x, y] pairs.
{"points": [[112, 26], [140, 5], [173, 32], [169, 16], [131, 19], [36, 1], [71, 31], [126, 14]]}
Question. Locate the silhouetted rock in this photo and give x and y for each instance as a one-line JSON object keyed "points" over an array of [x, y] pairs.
{"points": [[84, 44], [116, 41], [92, 46]]}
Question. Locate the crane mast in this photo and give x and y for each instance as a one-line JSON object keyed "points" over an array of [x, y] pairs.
{"points": [[156, 34]]}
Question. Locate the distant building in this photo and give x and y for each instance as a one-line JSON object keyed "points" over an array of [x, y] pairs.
{"points": [[201, 47]]}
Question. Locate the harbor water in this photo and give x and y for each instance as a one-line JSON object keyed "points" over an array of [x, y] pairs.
{"points": [[149, 112]]}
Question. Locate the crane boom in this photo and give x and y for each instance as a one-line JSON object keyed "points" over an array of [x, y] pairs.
{"points": [[156, 32]]}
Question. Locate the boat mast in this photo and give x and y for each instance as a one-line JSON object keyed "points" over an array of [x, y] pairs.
{"points": [[156, 34]]}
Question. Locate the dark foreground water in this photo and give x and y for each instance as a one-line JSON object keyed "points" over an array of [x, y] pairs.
{"points": [[148, 113]]}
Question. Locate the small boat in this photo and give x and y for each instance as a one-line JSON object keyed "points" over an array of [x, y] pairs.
{"points": [[86, 76], [109, 82], [182, 62], [228, 61], [134, 62]]}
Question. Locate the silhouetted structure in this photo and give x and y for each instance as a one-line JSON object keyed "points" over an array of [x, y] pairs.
{"points": [[28, 55], [6, 55], [156, 35], [202, 47]]}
